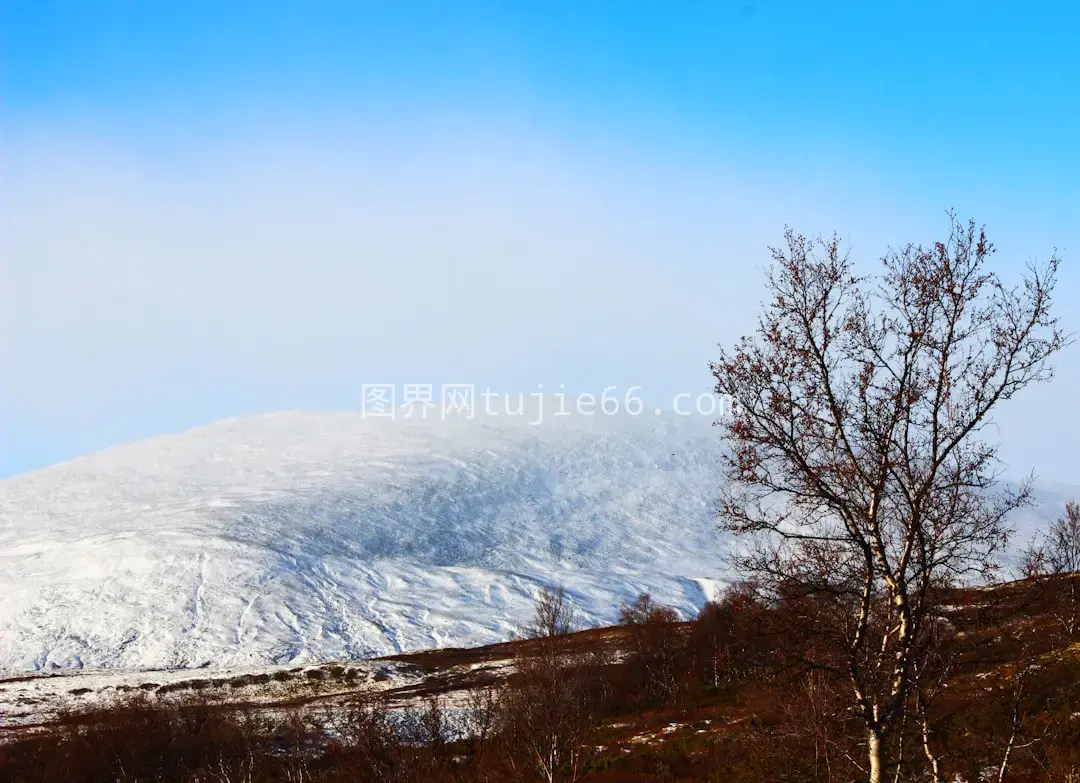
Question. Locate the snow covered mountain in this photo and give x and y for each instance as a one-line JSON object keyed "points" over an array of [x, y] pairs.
{"points": [[313, 536]]}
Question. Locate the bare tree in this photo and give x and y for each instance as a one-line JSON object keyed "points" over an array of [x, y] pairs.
{"points": [[553, 616], [1057, 553], [480, 722], [658, 655], [814, 710], [1020, 679], [931, 672], [644, 610], [731, 638], [857, 461], [546, 712]]}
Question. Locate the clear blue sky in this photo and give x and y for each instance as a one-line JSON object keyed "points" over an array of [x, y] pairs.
{"points": [[215, 209]]}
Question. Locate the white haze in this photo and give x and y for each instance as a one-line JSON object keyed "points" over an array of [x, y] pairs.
{"points": [[155, 286]]}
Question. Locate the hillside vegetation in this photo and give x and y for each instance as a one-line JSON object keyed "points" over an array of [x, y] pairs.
{"points": [[727, 697]]}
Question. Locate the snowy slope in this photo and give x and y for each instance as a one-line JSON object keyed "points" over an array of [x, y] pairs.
{"points": [[304, 536], [312, 536]]}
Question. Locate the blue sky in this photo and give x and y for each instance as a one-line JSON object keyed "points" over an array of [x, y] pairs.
{"points": [[215, 209]]}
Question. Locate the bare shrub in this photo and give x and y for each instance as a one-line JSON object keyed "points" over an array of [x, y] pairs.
{"points": [[553, 615], [546, 712], [1056, 553], [733, 637], [658, 661], [645, 610]]}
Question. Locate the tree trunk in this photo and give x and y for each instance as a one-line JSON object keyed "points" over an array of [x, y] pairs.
{"points": [[877, 760]]}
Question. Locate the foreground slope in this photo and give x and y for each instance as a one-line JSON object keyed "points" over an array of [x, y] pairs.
{"points": [[302, 536], [1014, 672]]}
